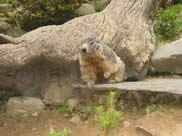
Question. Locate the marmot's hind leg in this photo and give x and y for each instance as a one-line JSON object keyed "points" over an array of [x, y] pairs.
{"points": [[117, 77], [113, 79]]}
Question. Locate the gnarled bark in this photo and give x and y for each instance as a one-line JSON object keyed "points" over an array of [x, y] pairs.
{"points": [[125, 25]]}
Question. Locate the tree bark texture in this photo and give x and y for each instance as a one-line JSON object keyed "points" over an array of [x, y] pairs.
{"points": [[50, 52]]}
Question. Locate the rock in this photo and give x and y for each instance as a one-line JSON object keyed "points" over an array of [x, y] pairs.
{"points": [[55, 94], [149, 85], [35, 114], [126, 124], [145, 131], [4, 26], [58, 45], [27, 82], [168, 58], [101, 4], [85, 9], [52, 95], [75, 119], [19, 105], [33, 129], [72, 103]]}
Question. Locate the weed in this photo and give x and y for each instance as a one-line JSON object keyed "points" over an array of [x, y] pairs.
{"points": [[63, 108], [151, 108], [169, 25], [83, 112], [108, 119]]}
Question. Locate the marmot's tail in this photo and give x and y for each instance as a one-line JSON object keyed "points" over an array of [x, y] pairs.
{"points": [[7, 39]]}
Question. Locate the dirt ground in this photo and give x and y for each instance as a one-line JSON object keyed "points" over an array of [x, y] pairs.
{"points": [[165, 121]]}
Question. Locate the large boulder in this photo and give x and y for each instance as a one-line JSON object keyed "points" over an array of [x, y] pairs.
{"points": [[53, 50], [19, 105], [168, 58], [54, 94]]}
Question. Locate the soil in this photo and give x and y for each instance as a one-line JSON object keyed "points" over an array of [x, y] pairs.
{"points": [[164, 121]]}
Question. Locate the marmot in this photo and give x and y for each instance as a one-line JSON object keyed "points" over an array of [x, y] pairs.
{"points": [[98, 61]]}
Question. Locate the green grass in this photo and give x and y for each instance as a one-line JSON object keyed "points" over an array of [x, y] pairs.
{"points": [[169, 24]]}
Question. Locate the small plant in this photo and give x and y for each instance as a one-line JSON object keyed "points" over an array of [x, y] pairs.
{"points": [[151, 108], [169, 24], [83, 112], [63, 108], [108, 119], [66, 132]]}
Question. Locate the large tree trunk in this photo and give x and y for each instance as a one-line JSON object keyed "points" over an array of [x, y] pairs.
{"points": [[50, 52]]}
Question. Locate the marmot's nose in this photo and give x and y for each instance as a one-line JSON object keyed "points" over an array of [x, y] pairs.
{"points": [[83, 49]]}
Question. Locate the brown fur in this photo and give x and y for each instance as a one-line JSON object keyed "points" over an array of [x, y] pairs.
{"points": [[102, 63]]}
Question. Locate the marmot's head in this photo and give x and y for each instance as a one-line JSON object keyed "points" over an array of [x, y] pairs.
{"points": [[90, 45]]}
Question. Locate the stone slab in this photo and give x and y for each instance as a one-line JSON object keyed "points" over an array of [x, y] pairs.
{"points": [[149, 85]]}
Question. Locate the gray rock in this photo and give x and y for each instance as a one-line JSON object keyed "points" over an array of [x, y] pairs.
{"points": [[4, 26], [19, 105], [85, 9], [50, 46], [72, 103], [168, 58], [75, 119], [150, 85], [126, 124], [55, 94], [52, 94]]}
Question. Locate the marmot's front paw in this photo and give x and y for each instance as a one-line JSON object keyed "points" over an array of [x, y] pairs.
{"points": [[90, 84], [107, 74], [112, 81]]}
